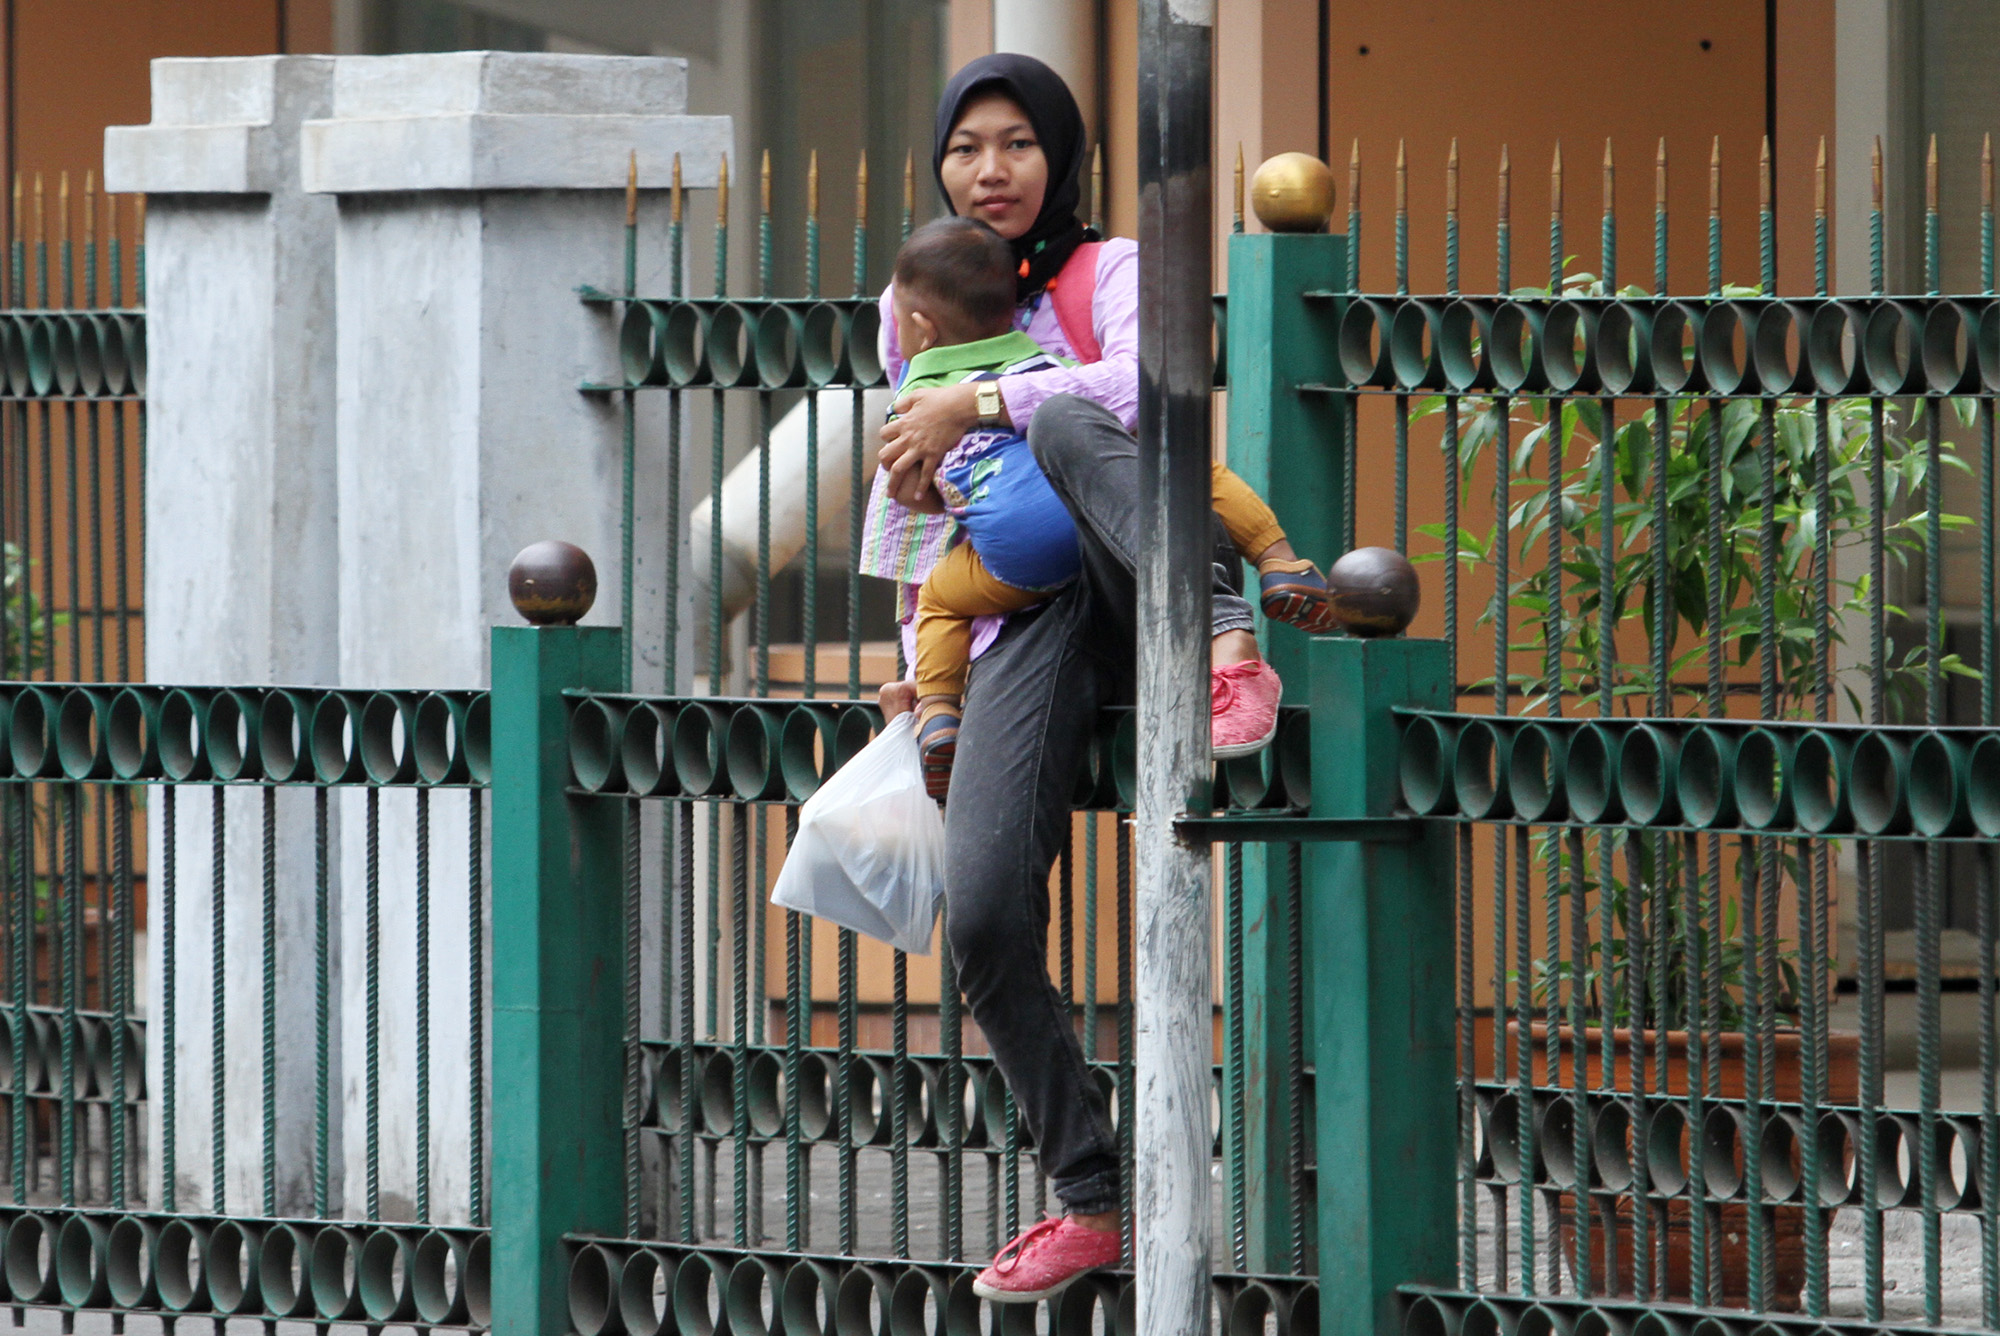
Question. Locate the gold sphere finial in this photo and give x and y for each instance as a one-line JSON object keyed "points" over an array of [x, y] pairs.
{"points": [[1293, 192]]}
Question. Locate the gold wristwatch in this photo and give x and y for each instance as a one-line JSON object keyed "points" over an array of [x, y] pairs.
{"points": [[986, 399]]}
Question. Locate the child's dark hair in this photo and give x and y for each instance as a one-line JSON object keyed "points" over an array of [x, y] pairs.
{"points": [[961, 270]]}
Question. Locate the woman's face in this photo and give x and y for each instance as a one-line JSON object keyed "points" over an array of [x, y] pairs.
{"points": [[994, 169]]}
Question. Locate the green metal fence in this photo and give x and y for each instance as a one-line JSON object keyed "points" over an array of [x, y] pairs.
{"points": [[1707, 771], [814, 1138], [72, 373], [92, 1224], [1632, 1057]]}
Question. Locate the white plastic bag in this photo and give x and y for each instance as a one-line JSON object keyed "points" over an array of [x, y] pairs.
{"points": [[869, 854]]}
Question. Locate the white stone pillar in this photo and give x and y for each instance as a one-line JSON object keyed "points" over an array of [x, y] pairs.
{"points": [[1063, 35], [476, 192], [240, 554]]}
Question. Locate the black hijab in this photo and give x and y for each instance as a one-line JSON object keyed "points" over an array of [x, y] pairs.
{"points": [[1056, 232]]}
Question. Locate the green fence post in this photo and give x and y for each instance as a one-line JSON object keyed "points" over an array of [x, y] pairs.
{"points": [[557, 1019], [1380, 929], [1288, 446]]}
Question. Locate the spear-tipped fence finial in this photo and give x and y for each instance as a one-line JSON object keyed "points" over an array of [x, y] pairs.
{"points": [[1097, 186], [1556, 182], [1610, 173], [1715, 178], [1819, 180], [909, 184], [1767, 223], [1986, 214], [1402, 217], [1506, 188], [1451, 217], [722, 194], [1236, 194], [676, 215], [632, 188], [812, 185], [861, 187], [1354, 177], [1660, 216], [764, 186], [1933, 248], [1875, 174]]}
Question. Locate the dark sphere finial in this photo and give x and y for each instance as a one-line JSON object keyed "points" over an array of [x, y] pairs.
{"points": [[1374, 592], [552, 583]]}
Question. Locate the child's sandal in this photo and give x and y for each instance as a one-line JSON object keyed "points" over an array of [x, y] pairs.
{"points": [[1295, 592], [937, 744]]}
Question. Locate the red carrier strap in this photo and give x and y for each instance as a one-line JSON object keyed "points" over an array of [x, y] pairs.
{"points": [[1073, 292]]}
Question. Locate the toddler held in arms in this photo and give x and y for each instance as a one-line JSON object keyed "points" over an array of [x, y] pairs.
{"points": [[954, 306]]}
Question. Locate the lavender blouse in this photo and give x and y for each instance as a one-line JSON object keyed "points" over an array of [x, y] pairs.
{"points": [[902, 544]]}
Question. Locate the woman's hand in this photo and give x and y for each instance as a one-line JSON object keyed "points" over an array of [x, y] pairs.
{"points": [[928, 423]]}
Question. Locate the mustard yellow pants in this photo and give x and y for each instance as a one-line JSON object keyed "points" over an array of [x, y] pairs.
{"points": [[960, 587]]}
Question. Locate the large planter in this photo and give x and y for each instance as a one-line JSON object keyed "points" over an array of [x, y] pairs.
{"points": [[1613, 1275]]}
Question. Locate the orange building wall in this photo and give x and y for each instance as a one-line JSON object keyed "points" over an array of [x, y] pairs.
{"points": [[80, 65]]}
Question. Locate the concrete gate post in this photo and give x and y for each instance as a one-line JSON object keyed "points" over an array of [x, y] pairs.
{"points": [[240, 555], [476, 191]]}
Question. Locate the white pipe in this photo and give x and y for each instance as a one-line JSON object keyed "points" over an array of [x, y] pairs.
{"points": [[1062, 34], [788, 492]]}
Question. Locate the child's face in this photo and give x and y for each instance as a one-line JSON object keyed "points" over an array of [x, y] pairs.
{"points": [[915, 331]]}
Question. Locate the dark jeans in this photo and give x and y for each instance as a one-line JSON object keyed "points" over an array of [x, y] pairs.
{"points": [[1030, 711]]}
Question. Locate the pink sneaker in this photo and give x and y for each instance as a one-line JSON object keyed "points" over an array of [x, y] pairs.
{"points": [[1044, 1261], [1243, 707]]}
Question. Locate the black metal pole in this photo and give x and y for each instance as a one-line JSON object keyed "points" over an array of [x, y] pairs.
{"points": [[1172, 983]]}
